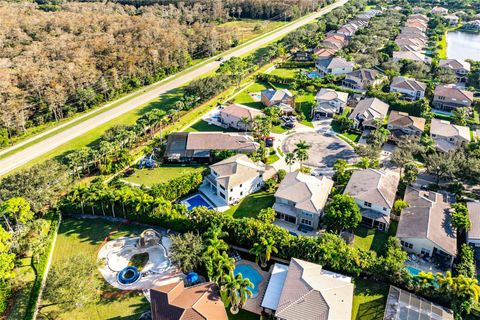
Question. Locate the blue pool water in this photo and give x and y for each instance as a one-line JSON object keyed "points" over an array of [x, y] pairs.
{"points": [[197, 201], [250, 273], [413, 271]]}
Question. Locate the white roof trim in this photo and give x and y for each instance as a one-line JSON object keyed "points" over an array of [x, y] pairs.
{"points": [[275, 286]]}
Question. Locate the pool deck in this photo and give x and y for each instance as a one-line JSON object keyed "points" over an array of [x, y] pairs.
{"points": [[424, 266], [254, 304]]}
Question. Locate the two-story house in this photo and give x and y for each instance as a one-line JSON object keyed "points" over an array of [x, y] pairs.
{"points": [[448, 136], [439, 11], [362, 78], [374, 192], [271, 97], [425, 226], [448, 98], [460, 67], [367, 112], [329, 103], [300, 199], [334, 66], [232, 179], [409, 88], [401, 124]]}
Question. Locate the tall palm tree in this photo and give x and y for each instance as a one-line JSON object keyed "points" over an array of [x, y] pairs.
{"points": [[301, 151], [237, 290], [290, 160], [214, 243], [224, 266], [263, 250]]}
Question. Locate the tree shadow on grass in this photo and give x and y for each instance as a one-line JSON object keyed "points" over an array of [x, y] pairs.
{"points": [[371, 310]]}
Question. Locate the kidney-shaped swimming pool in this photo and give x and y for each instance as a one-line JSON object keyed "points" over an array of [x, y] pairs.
{"points": [[249, 272]]}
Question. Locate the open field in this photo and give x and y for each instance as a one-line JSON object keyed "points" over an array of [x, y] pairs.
{"points": [[164, 173], [86, 236]]}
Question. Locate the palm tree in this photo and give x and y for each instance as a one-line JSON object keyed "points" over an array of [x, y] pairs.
{"points": [[245, 121], [290, 160], [214, 243], [237, 291], [224, 266], [301, 151], [263, 250]]}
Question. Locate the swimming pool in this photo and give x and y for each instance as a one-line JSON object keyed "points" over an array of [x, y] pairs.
{"points": [[250, 273], [413, 271], [196, 201]]}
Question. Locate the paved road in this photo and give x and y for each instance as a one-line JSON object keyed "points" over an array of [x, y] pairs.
{"points": [[22, 157]]}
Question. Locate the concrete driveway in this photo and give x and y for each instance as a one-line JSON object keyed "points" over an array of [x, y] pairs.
{"points": [[325, 149]]}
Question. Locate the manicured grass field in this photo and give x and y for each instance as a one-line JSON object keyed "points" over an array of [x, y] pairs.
{"points": [[370, 239], [165, 173], [251, 205], [369, 300], [203, 126], [245, 98], [86, 236], [286, 73]]}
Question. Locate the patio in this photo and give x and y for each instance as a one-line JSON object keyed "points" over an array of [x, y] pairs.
{"points": [[254, 304], [293, 228]]}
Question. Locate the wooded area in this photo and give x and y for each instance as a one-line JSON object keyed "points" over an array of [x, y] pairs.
{"points": [[58, 59]]}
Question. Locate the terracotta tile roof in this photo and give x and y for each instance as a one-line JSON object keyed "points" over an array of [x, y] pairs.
{"points": [[311, 293], [309, 193], [240, 111], [428, 217], [452, 92], [404, 120], [175, 302], [374, 186], [324, 52], [408, 83]]}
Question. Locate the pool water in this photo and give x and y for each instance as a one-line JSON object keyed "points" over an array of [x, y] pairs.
{"points": [[196, 201], [413, 271], [250, 273]]}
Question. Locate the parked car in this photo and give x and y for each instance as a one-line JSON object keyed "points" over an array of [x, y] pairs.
{"points": [[288, 125], [269, 142], [220, 59]]}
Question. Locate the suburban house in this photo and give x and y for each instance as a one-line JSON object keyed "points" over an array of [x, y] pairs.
{"points": [[425, 226], [410, 44], [448, 98], [300, 199], [402, 124], [448, 136], [324, 53], [460, 67], [412, 56], [329, 102], [473, 235], [305, 291], [452, 19], [362, 78], [409, 88], [273, 97], [471, 25], [439, 10], [374, 192], [403, 305], [416, 23], [174, 301], [197, 147], [367, 112], [412, 30], [334, 41], [334, 66], [238, 116], [232, 179]]}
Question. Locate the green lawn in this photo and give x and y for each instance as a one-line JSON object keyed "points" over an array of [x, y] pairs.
{"points": [[286, 73], [243, 315], [203, 126], [370, 239], [251, 205], [86, 236], [24, 271], [164, 173], [272, 158], [245, 98], [369, 300], [306, 102]]}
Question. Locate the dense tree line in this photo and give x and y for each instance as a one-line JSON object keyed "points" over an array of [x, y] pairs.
{"points": [[54, 64]]}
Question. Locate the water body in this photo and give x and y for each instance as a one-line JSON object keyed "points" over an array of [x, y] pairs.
{"points": [[463, 45]]}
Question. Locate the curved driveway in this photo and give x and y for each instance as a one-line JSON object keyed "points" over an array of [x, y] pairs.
{"points": [[26, 155]]}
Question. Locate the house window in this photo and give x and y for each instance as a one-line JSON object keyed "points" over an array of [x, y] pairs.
{"points": [[307, 214], [425, 252], [260, 176], [223, 195], [306, 222], [222, 187], [240, 185], [406, 244], [241, 193], [367, 204], [231, 189], [384, 209], [441, 98]]}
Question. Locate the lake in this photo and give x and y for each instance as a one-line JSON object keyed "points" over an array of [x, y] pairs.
{"points": [[463, 45]]}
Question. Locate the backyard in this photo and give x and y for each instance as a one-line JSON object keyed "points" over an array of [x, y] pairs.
{"points": [[86, 236], [164, 173], [369, 300], [251, 205], [370, 239], [203, 126]]}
